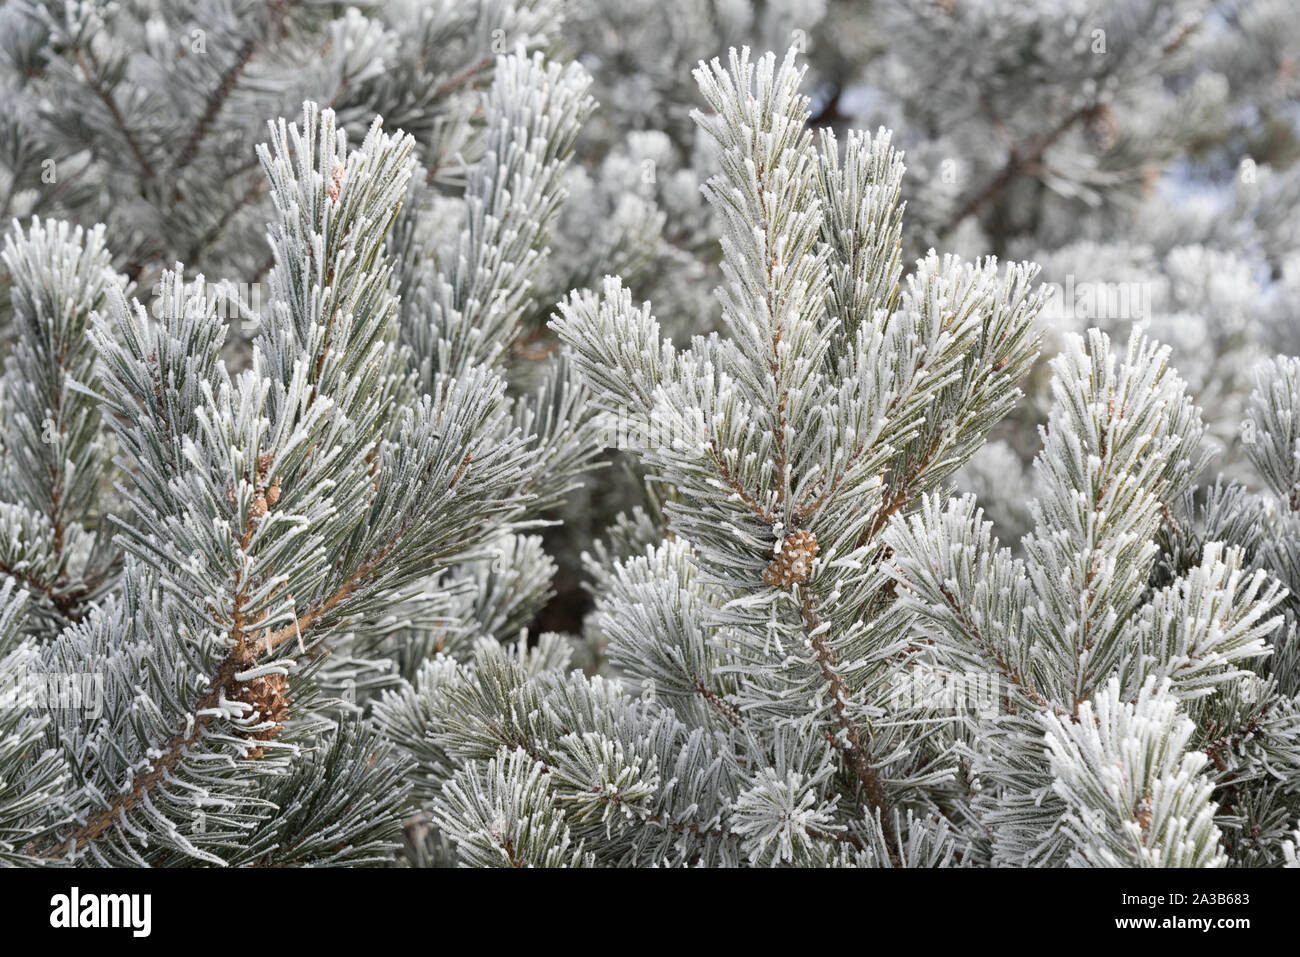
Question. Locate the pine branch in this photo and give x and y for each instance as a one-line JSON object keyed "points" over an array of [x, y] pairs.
{"points": [[110, 103], [1017, 163], [852, 747]]}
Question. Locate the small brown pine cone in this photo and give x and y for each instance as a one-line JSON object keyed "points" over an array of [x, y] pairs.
{"points": [[335, 187], [1144, 814], [267, 697], [273, 493], [793, 562], [259, 506], [1102, 129]]}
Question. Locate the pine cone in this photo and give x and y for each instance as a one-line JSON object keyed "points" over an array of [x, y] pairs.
{"points": [[335, 187], [1102, 129], [267, 697], [793, 562]]}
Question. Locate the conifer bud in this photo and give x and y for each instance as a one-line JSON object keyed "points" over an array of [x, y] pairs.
{"points": [[335, 187], [794, 558]]}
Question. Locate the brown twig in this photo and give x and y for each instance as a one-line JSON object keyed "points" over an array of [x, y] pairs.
{"points": [[851, 744], [110, 103], [1016, 164]]}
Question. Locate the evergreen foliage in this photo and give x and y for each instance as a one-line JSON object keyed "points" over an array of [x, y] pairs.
{"points": [[279, 530]]}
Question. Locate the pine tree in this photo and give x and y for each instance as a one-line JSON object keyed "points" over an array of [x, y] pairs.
{"points": [[262, 516], [179, 92], [280, 526], [822, 662]]}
